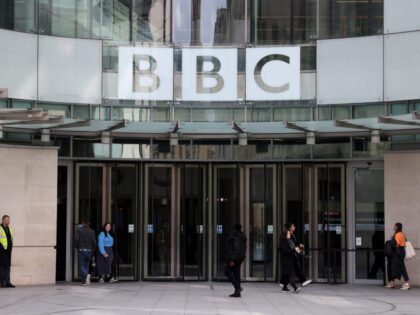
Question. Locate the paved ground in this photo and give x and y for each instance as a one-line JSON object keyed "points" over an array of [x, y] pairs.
{"points": [[206, 298]]}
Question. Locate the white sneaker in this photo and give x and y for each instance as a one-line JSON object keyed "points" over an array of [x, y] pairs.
{"points": [[281, 285], [297, 291], [113, 280], [405, 286], [88, 279], [306, 283], [101, 280]]}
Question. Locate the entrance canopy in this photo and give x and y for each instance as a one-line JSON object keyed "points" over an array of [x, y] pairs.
{"points": [[35, 121]]}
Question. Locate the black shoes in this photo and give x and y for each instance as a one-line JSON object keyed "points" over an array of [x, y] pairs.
{"points": [[237, 293], [9, 285]]}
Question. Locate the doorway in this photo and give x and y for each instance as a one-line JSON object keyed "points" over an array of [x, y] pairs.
{"points": [[175, 228], [314, 200], [107, 192]]}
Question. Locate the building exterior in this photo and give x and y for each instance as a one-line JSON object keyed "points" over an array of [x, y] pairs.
{"points": [[175, 119]]}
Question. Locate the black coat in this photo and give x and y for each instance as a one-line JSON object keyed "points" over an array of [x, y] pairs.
{"points": [[287, 257], [236, 248], [6, 254], [395, 261]]}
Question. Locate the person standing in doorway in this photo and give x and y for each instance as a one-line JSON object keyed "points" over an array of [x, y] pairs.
{"points": [[105, 254], [85, 242], [288, 256], [6, 244], [235, 255], [298, 266]]}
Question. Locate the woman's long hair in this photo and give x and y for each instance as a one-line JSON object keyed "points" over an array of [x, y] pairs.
{"points": [[283, 235], [104, 228]]}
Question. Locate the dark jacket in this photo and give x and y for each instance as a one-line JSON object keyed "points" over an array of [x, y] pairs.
{"points": [[236, 248], [6, 254], [85, 238], [287, 257], [395, 265]]}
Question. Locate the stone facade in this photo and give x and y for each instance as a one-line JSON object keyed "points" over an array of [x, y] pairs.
{"points": [[28, 194], [402, 202]]}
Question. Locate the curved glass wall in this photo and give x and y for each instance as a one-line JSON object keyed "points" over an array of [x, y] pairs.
{"points": [[196, 22]]}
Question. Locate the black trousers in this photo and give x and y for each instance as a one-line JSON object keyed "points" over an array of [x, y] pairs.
{"points": [[233, 273], [299, 271], [5, 274], [288, 279]]}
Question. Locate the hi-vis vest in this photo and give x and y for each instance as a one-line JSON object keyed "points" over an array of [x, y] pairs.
{"points": [[3, 236]]}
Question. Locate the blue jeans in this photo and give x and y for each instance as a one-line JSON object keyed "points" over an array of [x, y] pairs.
{"points": [[84, 262]]}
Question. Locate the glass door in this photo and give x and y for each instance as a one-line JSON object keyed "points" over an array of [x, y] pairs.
{"points": [[193, 224], [226, 212], [124, 218], [314, 200], [159, 221], [260, 217], [367, 238]]}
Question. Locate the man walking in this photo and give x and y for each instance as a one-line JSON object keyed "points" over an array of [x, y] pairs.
{"points": [[298, 267], [236, 249], [6, 244], [85, 242]]}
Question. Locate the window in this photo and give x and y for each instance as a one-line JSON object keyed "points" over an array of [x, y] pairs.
{"points": [[182, 114], [56, 109], [203, 22], [292, 114], [222, 114], [324, 113], [21, 104], [161, 114], [81, 112], [3, 104], [366, 111], [130, 113], [398, 109], [341, 112], [260, 114]]}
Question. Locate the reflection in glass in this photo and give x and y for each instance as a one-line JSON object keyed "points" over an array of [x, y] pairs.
{"points": [[198, 22], [341, 112], [366, 111], [81, 112], [210, 114], [159, 210], [151, 21], [369, 225], [123, 150], [56, 109], [130, 113], [292, 114], [260, 114]]}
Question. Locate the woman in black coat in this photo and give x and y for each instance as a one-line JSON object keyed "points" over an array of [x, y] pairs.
{"points": [[288, 258]]}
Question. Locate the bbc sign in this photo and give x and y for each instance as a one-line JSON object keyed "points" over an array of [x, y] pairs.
{"points": [[272, 73]]}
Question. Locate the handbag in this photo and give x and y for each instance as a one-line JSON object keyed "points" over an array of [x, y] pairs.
{"points": [[409, 250]]}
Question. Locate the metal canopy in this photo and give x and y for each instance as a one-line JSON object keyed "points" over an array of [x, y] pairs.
{"points": [[34, 121]]}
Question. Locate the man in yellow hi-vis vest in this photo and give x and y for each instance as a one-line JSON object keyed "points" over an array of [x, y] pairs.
{"points": [[6, 244]]}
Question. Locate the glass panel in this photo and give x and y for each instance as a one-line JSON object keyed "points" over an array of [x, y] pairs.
{"points": [[261, 222], [89, 206], [116, 20], [332, 150], [260, 114], [364, 148], [283, 150], [159, 219], [366, 111], [63, 143], [292, 114], [304, 21], [226, 213], [24, 16], [60, 274], [130, 149], [308, 58], [81, 112], [255, 150], [193, 222], [212, 114], [271, 22], [21, 104], [182, 114], [151, 21], [198, 22], [96, 111], [3, 104], [341, 112], [369, 227], [339, 18], [209, 150], [398, 109], [90, 148], [239, 114], [161, 149], [130, 113], [324, 113], [56, 109], [123, 205], [161, 114]]}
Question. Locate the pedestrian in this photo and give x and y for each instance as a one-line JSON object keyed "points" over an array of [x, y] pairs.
{"points": [[298, 266], [6, 245], [235, 255], [396, 257], [105, 254], [85, 242], [288, 256]]}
